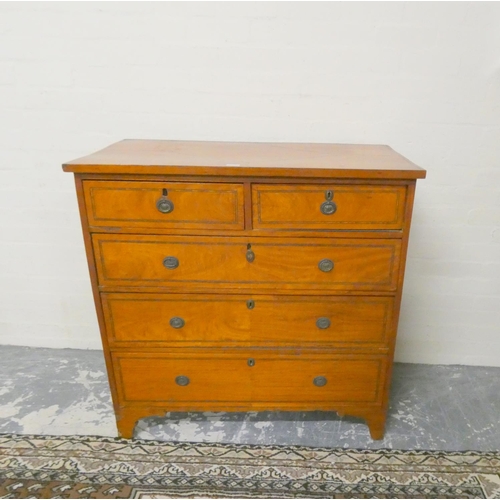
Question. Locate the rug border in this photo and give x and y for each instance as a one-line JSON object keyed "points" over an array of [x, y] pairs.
{"points": [[80, 437]]}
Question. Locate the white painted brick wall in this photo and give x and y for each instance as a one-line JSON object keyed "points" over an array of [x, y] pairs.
{"points": [[421, 77]]}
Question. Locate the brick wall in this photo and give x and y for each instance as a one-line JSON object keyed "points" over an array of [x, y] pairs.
{"points": [[421, 77]]}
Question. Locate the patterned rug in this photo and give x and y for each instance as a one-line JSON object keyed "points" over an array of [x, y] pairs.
{"points": [[96, 467]]}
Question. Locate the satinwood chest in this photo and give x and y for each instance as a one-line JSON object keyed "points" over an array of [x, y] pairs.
{"points": [[246, 276]]}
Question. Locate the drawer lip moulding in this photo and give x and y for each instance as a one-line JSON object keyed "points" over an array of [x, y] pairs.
{"points": [[292, 263], [341, 207], [229, 377], [133, 319], [164, 205]]}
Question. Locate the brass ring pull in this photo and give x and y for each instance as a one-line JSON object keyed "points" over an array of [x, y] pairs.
{"points": [[328, 207], [171, 262], [323, 323], [177, 322], [164, 205], [319, 381], [182, 380], [325, 265], [250, 254]]}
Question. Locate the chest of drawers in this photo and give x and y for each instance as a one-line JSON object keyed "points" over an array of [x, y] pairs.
{"points": [[246, 276]]}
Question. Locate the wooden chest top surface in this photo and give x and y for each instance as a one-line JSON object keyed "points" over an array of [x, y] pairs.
{"points": [[152, 157]]}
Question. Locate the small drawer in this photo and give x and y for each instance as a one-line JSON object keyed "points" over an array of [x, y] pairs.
{"points": [[262, 263], [335, 207], [164, 205], [264, 320], [248, 376]]}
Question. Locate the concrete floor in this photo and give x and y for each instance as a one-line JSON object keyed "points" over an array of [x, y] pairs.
{"points": [[52, 391]]}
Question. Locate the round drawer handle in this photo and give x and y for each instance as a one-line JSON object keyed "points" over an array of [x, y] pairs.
{"points": [[325, 265], [182, 380], [164, 206], [251, 362], [171, 262], [177, 322], [250, 254], [319, 381], [328, 208], [323, 323]]}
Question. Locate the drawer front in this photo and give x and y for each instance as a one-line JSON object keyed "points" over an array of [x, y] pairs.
{"points": [[164, 205], [328, 207], [254, 320], [313, 264], [206, 377]]}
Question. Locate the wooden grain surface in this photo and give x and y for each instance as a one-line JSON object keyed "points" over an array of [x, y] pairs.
{"points": [[195, 205], [356, 207], [237, 158], [227, 376], [143, 320], [133, 260]]}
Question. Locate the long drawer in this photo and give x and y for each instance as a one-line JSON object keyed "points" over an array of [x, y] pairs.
{"points": [[139, 204], [182, 320], [334, 207], [249, 376], [260, 263]]}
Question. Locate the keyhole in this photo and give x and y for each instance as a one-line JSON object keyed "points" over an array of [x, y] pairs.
{"points": [[165, 192], [329, 195]]}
